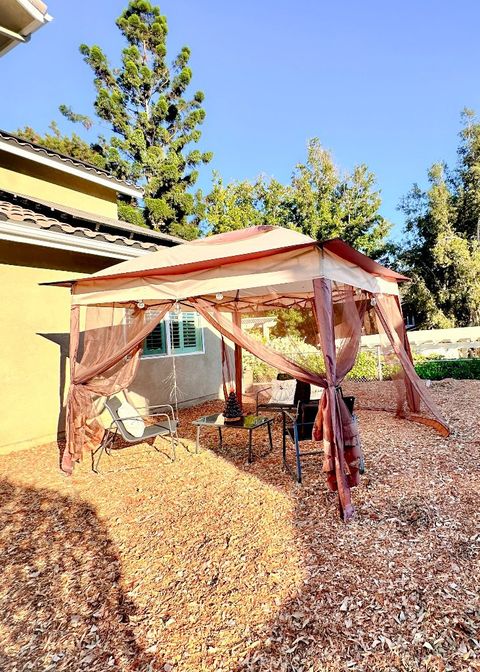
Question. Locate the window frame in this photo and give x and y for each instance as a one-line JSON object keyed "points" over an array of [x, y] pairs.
{"points": [[167, 332]]}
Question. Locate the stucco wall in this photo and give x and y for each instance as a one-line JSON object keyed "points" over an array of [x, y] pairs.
{"points": [[34, 341], [198, 375], [34, 348], [32, 179]]}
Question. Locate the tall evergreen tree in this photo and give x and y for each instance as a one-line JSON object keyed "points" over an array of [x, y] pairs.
{"points": [[154, 121], [441, 251]]}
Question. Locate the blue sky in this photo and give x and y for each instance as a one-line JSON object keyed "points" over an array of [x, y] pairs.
{"points": [[379, 83]]}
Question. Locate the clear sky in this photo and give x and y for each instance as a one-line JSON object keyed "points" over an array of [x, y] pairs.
{"points": [[381, 83]]}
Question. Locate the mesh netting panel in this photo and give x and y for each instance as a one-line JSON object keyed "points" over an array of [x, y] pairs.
{"points": [[105, 346]]}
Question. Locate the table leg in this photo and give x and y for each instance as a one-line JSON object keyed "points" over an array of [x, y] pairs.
{"points": [[197, 445], [249, 445], [220, 437], [270, 435]]}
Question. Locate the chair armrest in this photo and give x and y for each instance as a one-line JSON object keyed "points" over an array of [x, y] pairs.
{"points": [[263, 389], [151, 408], [289, 415], [141, 417]]}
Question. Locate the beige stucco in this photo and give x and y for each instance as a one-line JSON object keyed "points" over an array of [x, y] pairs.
{"points": [[34, 348], [34, 344], [37, 181], [198, 375]]}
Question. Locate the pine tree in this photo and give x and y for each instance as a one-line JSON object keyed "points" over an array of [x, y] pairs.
{"points": [[154, 122]]}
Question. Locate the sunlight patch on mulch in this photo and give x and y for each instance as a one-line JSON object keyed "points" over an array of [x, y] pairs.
{"points": [[211, 563]]}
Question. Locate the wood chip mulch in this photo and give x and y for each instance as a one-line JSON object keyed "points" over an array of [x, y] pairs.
{"points": [[211, 563]]}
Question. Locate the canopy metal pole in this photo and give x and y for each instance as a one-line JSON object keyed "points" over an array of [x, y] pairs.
{"points": [[237, 320]]}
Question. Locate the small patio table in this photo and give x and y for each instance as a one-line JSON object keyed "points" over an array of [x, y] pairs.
{"points": [[248, 422]]}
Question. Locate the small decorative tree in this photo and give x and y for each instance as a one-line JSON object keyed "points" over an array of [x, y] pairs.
{"points": [[232, 410]]}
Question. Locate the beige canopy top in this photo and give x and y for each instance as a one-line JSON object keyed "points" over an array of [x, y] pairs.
{"points": [[252, 269]]}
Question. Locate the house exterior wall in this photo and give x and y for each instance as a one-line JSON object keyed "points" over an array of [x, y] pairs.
{"points": [[34, 363], [199, 376], [32, 179]]}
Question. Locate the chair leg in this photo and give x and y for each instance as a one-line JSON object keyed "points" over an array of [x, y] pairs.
{"points": [[172, 440], [106, 442], [297, 455], [99, 450]]}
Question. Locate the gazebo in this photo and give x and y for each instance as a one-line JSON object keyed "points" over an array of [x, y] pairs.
{"points": [[223, 277]]}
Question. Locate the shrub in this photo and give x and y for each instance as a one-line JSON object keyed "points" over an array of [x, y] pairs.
{"points": [[460, 369], [365, 367], [308, 356], [294, 348]]}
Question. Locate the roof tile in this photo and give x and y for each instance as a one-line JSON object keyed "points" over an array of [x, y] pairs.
{"points": [[83, 165], [15, 213]]}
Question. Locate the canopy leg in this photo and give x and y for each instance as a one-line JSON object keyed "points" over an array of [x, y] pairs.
{"points": [[237, 320]]}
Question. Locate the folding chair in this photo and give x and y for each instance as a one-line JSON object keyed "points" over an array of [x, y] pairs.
{"points": [[298, 428], [167, 427]]}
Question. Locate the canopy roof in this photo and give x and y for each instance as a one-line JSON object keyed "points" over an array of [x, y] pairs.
{"points": [[256, 268]]}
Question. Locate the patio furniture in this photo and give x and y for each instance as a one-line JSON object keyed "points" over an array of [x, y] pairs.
{"points": [[248, 423], [285, 393], [135, 428], [298, 428]]}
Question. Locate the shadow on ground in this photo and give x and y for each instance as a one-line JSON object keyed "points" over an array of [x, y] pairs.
{"points": [[375, 592], [61, 605]]}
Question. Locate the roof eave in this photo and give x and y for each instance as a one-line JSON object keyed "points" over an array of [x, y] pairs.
{"points": [[39, 19], [99, 220], [105, 181], [17, 232]]}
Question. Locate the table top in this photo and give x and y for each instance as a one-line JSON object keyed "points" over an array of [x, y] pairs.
{"points": [[247, 422]]}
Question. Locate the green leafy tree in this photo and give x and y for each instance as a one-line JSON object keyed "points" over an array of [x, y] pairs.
{"points": [[318, 201], [154, 121], [441, 252], [294, 323], [233, 206], [328, 204], [467, 181]]}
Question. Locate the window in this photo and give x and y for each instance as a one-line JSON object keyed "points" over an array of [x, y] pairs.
{"points": [[177, 334], [156, 341]]}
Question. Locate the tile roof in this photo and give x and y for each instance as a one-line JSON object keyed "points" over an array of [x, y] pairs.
{"points": [[64, 212], [33, 147], [13, 212]]}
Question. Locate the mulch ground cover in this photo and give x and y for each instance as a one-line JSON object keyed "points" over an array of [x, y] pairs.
{"points": [[211, 563]]}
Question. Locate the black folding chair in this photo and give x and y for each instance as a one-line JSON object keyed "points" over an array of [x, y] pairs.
{"points": [[167, 427], [297, 428]]}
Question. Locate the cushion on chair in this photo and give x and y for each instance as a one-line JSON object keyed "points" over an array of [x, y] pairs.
{"points": [[135, 424], [317, 393], [283, 391]]}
